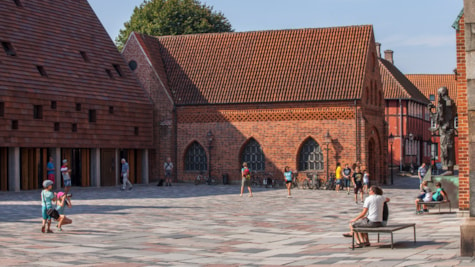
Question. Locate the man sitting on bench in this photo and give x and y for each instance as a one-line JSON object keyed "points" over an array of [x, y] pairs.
{"points": [[373, 206]]}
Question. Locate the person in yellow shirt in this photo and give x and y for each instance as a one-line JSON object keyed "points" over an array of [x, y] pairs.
{"points": [[338, 176]]}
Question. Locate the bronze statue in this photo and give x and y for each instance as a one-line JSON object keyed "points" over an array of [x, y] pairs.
{"points": [[444, 119]]}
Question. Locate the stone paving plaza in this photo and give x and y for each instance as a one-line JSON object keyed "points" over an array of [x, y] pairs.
{"points": [[188, 225]]}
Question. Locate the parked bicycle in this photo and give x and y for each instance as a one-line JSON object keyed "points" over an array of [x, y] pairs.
{"points": [[201, 179]]}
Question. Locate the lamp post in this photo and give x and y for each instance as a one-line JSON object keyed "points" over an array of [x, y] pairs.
{"points": [[210, 138], [411, 145], [327, 142], [391, 142]]}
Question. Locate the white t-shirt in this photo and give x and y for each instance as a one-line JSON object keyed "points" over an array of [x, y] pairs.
{"points": [[375, 206]]}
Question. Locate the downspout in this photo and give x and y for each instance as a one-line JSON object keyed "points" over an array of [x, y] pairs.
{"points": [[400, 135], [175, 140], [356, 132]]}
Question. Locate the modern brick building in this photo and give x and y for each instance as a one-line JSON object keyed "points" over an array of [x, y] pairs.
{"points": [[266, 97], [407, 117], [66, 92], [428, 84]]}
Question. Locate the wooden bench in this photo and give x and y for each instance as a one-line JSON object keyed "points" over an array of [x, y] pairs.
{"points": [[385, 229], [438, 203]]}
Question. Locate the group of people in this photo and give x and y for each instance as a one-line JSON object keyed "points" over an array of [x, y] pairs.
{"points": [[60, 199], [347, 176]]}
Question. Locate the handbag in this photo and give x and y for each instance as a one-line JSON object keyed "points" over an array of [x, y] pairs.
{"points": [[52, 212]]}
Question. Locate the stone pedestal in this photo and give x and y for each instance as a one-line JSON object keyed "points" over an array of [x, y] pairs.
{"points": [[467, 238]]}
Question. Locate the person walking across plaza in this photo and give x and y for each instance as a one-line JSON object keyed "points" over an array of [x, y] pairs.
{"points": [[365, 181], [288, 180], [168, 166], [125, 175], [50, 170], [347, 178], [357, 180], [370, 216], [338, 176], [421, 172], [47, 197], [66, 173], [245, 179]]}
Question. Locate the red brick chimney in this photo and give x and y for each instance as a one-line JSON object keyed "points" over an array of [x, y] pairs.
{"points": [[378, 49], [388, 55]]}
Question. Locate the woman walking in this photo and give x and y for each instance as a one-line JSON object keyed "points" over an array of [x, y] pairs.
{"points": [[246, 179], [288, 179]]}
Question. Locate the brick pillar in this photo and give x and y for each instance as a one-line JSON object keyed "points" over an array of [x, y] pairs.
{"points": [[467, 146]]}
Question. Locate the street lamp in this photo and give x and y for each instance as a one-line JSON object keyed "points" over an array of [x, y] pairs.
{"points": [[210, 138], [327, 141], [411, 146], [391, 142]]}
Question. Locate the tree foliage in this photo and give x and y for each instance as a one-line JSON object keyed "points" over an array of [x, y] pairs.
{"points": [[173, 17]]}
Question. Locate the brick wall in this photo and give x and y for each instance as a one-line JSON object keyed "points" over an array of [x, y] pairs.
{"points": [[462, 110], [163, 114]]}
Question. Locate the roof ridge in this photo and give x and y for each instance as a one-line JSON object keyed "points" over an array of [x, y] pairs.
{"points": [[261, 31]]}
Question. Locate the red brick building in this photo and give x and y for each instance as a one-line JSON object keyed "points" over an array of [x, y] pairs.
{"points": [[66, 92], [267, 97], [407, 117], [428, 84]]}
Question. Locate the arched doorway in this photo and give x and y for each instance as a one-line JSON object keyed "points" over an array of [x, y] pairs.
{"points": [[373, 161]]}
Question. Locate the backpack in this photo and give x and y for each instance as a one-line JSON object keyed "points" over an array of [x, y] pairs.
{"points": [[385, 212]]}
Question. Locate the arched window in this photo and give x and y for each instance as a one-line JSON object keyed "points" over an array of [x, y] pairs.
{"points": [[310, 156], [253, 155], [195, 158]]}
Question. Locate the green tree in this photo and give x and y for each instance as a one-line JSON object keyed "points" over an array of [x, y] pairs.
{"points": [[173, 17]]}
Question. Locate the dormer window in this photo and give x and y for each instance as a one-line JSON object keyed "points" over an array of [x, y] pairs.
{"points": [[8, 47], [18, 3], [109, 73], [118, 70], [42, 71], [84, 56]]}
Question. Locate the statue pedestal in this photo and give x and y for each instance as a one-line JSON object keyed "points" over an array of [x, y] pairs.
{"points": [[450, 184], [467, 238]]}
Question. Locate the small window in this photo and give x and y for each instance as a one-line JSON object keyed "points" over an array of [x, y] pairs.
{"points": [[53, 104], [14, 124], [18, 3], [109, 73], [92, 115], [75, 127], [42, 71], [132, 65], [111, 109], [2, 109], [8, 47], [37, 112], [432, 97], [78, 106], [56, 126], [136, 130], [84, 56], [118, 70]]}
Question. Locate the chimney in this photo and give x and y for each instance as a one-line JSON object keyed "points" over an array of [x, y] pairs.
{"points": [[388, 55], [378, 49]]}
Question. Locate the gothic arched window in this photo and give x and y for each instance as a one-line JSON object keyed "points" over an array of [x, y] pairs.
{"points": [[310, 156], [254, 156], [195, 158]]}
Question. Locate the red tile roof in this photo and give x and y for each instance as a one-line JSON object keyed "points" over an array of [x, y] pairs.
{"points": [[51, 34], [396, 85], [429, 83], [264, 66]]}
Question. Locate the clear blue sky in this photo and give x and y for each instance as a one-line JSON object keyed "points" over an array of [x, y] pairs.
{"points": [[418, 31]]}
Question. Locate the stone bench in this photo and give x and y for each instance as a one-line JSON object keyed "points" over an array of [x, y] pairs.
{"points": [[438, 203], [386, 229]]}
